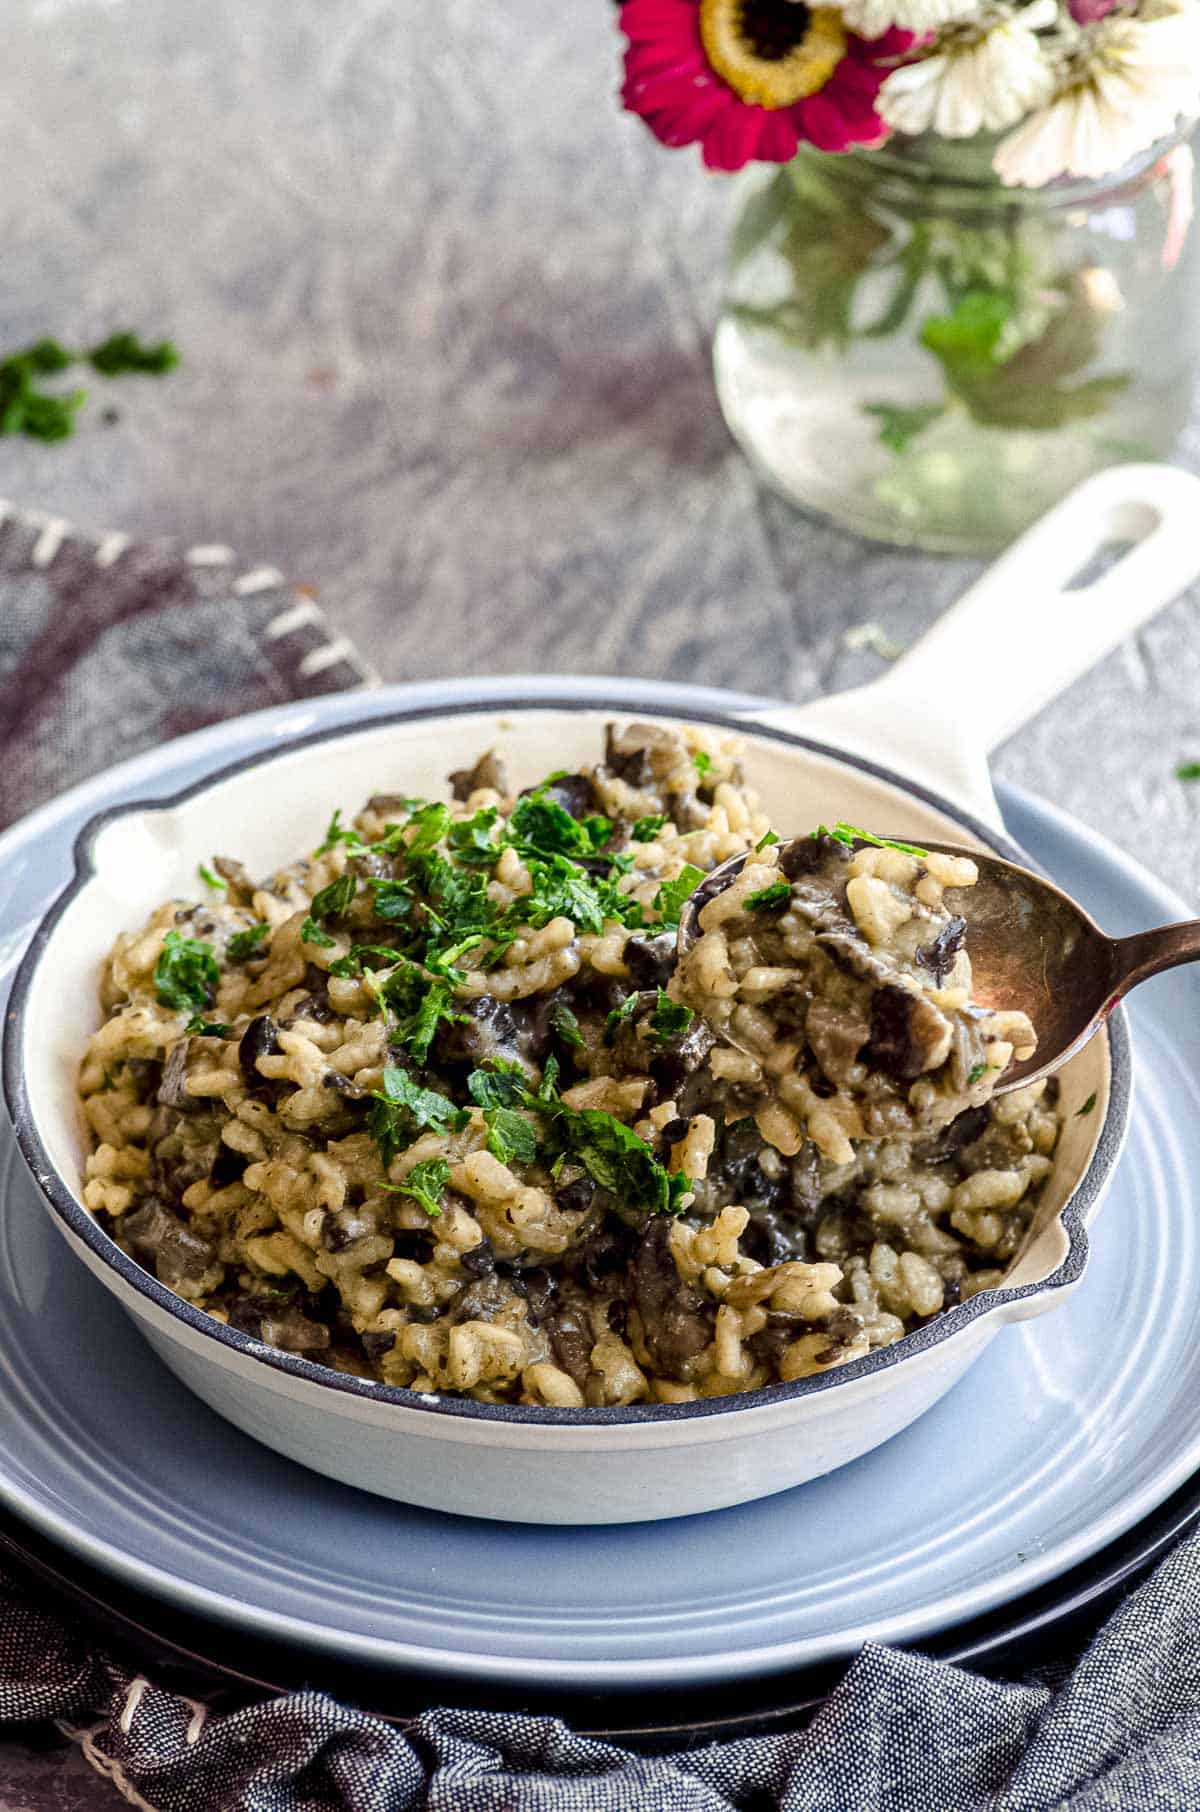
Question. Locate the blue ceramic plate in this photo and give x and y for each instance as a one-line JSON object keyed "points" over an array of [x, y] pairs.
{"points": [[1067, 1431]]}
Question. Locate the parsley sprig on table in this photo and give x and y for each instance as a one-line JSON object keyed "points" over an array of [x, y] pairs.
{"points": [[27, 407]]}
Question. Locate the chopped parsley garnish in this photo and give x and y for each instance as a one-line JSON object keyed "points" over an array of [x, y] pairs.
{"points": [[392, 899], [703, 762], [615, 1157], [561, 889], [766, 840], [505, 1084], [204, 1028], [626, 1010], [670, 1018], [186, 973], [669, 899], [510, 1136], [402, 1109], [978, 1072], [210, 879], [245, 944], [1188, 770], [418, 1003], [335, 899], [471, 839], [311, 933], [850, 834], [770, 899], [539, 824], [565, 1023], [1087, 1107], [611, 1152], [646, 829], [336, 834], [355, 960], [431, 823], [425, 1183]]}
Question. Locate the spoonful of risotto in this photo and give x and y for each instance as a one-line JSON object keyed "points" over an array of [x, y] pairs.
{"points": [[865, 987]]}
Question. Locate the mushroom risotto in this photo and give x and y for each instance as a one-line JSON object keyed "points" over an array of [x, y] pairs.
{"points": [[436, 1105]]}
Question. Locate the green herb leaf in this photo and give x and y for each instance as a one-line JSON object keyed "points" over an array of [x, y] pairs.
{"points": [[547, 1091], [47, 356], [626, 1010], [210, 879], [615, 1157], [670, 1018], [426, 1183], [561, 890], [1188, 770], [565, 1024], [186, 973], [668, 901], [505, 1084], [1087, 1107], [418, 1004], [766, 840], [471, 839], [204, 1028], [311, 933], [431, 822], [645, 830], [332, 901], [355, 960], [978, 1072], [540, 824], [392, 900], [702, 761], [402, 1109], [124, 352], [611, 1152], [851, 833], [335, 834], [769, 899], [510, 1136], [245, 944]]}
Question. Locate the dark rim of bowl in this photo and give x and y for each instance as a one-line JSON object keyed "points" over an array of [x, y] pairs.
{"points": [[933, 1333]]}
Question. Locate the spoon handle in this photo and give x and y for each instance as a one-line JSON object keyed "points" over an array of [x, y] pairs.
{"points": [[1150, 952]]}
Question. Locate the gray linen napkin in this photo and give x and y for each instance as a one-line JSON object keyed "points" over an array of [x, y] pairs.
{"points": [[107, 647]]}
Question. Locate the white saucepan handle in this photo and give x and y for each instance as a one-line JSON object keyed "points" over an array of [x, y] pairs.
{"points": [[1020, 635]]}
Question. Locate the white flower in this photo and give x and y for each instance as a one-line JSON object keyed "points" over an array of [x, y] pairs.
{"points": [[1123, 85], [871, 18], [983, 75]]}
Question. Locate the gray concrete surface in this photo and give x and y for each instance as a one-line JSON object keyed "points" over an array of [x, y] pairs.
{"points": [[445, 315]]}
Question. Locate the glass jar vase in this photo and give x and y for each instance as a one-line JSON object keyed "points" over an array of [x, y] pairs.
{"points": [[928, 358]]}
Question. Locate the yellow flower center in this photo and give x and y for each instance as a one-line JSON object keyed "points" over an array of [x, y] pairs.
{"points": [[772, 52]]}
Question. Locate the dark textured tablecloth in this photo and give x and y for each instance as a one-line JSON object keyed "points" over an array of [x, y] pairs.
{"points": [[107, 647]]}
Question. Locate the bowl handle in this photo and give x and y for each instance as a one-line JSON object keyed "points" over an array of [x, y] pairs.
{"points": [[1033, 623]]}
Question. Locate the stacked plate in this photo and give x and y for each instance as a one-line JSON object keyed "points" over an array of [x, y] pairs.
{"points": [[1052, 1472]]}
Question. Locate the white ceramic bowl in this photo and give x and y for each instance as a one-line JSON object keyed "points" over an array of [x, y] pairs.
{"points": [[514, 1462], [1025, 631]]}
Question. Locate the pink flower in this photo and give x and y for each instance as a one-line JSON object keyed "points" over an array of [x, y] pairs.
{"points": [[752, 79]]}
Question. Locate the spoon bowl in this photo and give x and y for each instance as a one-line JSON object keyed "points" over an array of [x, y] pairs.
{"points": [[1032, 948]]}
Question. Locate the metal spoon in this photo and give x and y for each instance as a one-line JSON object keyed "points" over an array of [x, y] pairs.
{"points": [[1032, 947]]}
